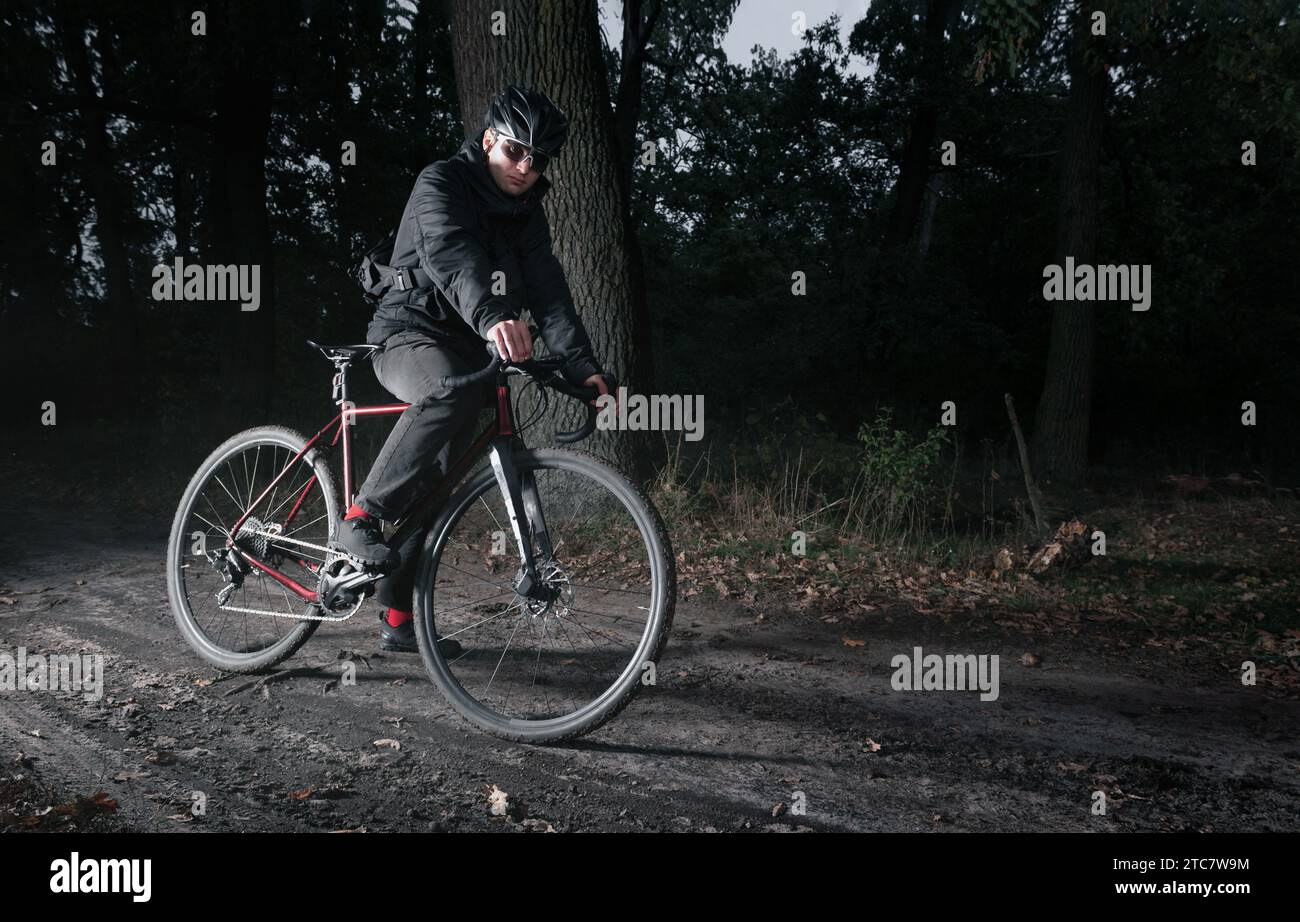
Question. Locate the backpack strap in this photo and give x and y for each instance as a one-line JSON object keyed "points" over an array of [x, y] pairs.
{"points": [[406, 279], [375, 275]]}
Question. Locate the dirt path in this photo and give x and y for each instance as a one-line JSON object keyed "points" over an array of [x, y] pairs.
{"points": [[746, 713]]}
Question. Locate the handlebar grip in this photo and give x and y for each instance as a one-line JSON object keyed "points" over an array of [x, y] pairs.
{"points": [[586, 394], [577, 435], [456, 382]]}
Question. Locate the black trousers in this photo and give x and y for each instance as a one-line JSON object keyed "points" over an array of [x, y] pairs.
{"points": [[438, 428]]}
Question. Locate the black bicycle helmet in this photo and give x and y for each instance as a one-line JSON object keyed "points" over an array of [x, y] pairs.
{"points": [[530, 117]]}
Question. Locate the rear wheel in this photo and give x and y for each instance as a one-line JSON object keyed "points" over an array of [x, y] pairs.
{"points": [[233, 615], [546, 670]]}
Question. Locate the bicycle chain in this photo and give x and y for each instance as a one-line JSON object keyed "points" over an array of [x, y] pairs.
{"points": [[315, 547], [281, 614], [331, 555]]}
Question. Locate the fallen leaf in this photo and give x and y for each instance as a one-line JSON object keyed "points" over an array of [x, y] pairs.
{"points": [[498, 801]]}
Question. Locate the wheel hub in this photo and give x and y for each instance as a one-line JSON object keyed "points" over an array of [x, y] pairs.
{"points": [[555, 594]]}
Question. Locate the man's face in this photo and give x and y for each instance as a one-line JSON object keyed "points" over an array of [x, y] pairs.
{"points": [[511, 178]]}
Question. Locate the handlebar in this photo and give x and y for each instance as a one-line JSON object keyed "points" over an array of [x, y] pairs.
{"points": [[460, 382], [544, 372]]}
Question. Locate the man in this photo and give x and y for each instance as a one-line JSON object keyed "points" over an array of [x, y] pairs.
{"points": [[469, 217]]}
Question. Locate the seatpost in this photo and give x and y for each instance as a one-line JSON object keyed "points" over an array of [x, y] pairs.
{"points": [[340, 383]]}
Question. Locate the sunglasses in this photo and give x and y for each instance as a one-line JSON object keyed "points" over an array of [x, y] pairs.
{"points": [[518, 153]]}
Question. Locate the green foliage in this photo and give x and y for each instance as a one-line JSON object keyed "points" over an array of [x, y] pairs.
{"points": [[1006, 27], [790, 164], [899, 487]]}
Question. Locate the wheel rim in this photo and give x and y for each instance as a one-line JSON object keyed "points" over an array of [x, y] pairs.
{"points": [[548, 664], [236, 478]]}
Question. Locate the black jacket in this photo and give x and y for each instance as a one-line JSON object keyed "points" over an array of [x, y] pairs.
{"points": [[460, 229]]}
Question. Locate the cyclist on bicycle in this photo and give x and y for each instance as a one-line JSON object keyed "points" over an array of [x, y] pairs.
{"points": [[475, 226]]}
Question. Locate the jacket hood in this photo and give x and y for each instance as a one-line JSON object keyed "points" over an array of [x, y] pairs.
{"points": [[497, 202]]}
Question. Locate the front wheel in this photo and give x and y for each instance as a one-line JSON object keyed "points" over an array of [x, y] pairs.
{"points": [[547, 670]]}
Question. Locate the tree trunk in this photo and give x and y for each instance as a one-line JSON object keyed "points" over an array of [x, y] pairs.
{"points": [[1064, 409], [925, 233], [627, 115], [914, 172], [182, 198], [423, 49], [240, 227], [555, 47], [636, 34], [332, 33], [118, 320]]}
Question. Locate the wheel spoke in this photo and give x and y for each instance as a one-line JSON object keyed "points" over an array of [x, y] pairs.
{"points": [[555, 657], [227, 634]]}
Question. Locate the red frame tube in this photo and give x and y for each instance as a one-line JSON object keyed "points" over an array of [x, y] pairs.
{"points": [[287, 581], [502, 425]]}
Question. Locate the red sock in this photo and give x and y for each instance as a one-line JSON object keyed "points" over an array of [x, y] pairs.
{"points": [[356, 512], [396, 617]]}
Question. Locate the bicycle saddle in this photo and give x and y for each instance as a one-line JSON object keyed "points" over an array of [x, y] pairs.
{"points": [[345, 353]]}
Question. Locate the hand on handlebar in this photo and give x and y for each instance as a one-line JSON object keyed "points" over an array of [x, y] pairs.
{"points": [[513, 339], [600, 384]]}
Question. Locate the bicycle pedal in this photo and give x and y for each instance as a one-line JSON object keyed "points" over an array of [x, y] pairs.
{"points": [[357, 563]]}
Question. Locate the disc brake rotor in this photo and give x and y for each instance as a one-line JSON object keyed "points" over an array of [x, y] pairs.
{"points": [[554, 577]]}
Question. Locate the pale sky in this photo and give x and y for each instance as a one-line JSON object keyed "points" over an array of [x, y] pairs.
{"points": [[763, 22]]}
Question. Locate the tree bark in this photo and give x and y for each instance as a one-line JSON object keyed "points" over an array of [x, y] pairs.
{"points": [[118, 320], [636, 35], [182, 198], [423, 48], [555, 47], [240, 231], [925, 233], [914, 171], [1064, 409], [331, 36]]}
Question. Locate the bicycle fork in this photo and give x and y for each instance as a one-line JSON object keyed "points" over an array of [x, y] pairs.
{"points": [[519, 491]]}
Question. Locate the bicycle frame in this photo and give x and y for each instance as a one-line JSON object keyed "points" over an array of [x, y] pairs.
{"points": [[496, 440]]}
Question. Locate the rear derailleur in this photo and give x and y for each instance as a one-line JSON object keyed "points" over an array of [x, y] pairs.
{"points": [[232, 568]]}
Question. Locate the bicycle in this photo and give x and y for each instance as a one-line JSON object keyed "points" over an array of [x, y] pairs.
{"points": [[547, 654]]}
